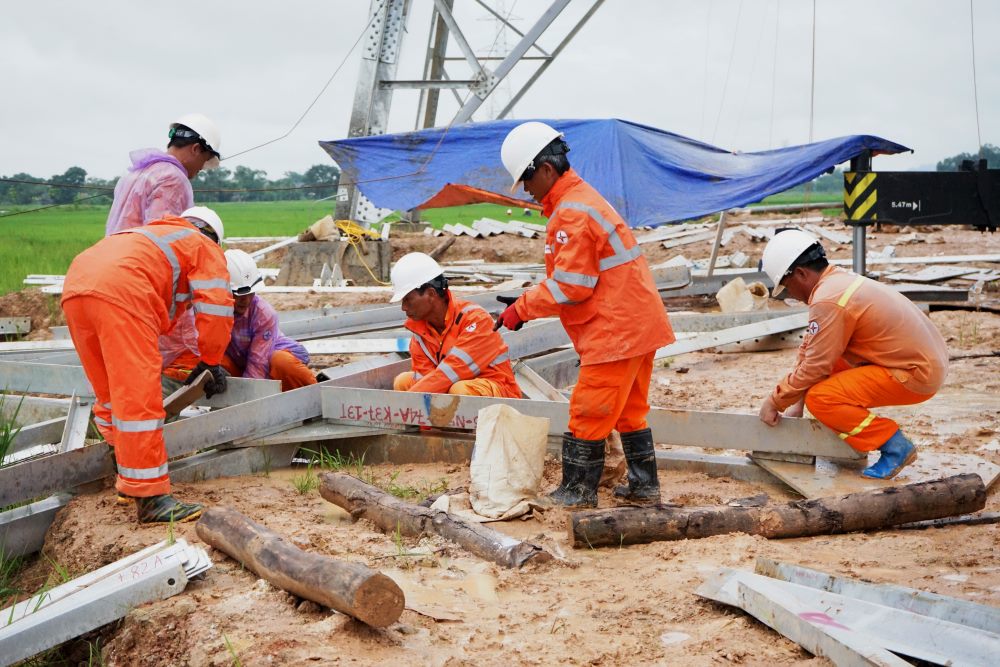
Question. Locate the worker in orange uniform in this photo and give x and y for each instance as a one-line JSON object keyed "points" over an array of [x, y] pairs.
{"points": [[599, 285], [454, 349], [119, 296], [866, 346], [257, 348]]}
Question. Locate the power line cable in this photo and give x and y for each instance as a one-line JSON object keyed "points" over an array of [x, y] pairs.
{"points": [[729, 69], [975, 84], [42, 208]]}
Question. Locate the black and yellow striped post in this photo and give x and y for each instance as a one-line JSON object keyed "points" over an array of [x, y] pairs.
{"points": [[860, 196]]}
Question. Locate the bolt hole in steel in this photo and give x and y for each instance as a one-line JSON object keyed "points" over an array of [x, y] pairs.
{"points": [[171, 582]]}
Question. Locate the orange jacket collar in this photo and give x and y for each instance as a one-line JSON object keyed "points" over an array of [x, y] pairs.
{"points": [[827, 271], [568, 180]]}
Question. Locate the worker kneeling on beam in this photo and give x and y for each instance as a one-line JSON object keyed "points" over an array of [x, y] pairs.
{"points": [[599, 285], [257, 348], [454, 348], [866, 346], [119, 296]]}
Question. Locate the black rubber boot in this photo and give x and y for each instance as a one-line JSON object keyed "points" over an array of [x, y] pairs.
{"points": [[582, 463], [166, 508], [643, 485]]}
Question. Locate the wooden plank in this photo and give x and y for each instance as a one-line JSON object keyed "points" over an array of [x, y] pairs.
{"points": [[373, 407], [834, 478], [912, 600]]}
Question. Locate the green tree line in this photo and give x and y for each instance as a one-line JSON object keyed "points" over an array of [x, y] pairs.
{"points": [[210, 186]]}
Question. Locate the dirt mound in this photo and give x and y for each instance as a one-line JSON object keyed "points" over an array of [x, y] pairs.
{"points": [[43, 309]]}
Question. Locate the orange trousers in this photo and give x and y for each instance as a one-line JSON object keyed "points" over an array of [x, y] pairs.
{"points": [[121, 358], [475, 387], [285, 367], [841, 403], [613, 395]]}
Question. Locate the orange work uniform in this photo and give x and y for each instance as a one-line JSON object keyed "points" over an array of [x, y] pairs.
{"points": [[119, 296], [866, 346], [468, 357], [599, 285]]}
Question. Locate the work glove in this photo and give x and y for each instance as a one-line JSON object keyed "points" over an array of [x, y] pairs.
{"points": [[509, 317], [216, 384]]}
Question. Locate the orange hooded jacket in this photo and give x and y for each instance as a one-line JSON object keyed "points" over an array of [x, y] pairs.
{"points": [[157, 271], [599, 284], [467, 348]]}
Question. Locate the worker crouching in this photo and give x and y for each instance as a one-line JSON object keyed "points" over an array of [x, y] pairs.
{"points": [[599, 285], [866, 346], [119, 296], [454, 349]]}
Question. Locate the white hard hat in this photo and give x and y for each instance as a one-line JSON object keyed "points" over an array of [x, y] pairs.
{"points": [[410, 272], [244, 276], [207, 131], [522, 144], [207, 216], [781, 252]]}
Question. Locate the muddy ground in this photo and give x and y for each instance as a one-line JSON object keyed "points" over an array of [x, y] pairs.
{"points": [[630, 605]]}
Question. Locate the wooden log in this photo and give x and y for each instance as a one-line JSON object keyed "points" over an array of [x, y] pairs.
{"points": [[960, 494], [351, 588], [391, 514], [442, 247]]}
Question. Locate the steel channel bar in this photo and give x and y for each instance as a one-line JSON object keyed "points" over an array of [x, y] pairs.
{"points": [[374, 407], [22, 529]]}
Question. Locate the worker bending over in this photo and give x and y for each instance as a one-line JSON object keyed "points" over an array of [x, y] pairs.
{"points": [[599, 285], [454, 349], [257, 348], [866, 346], [119, 296], [158, 183]]}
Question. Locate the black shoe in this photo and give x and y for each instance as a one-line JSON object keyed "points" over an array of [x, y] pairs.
{"points": [[582, 464], [643, 485], [166, 508]]}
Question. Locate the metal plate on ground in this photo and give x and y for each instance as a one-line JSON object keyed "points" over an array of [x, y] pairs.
{"points": [[831, 478]]}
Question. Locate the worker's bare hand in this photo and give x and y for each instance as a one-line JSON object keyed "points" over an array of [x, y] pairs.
{"points": [[795, 410], [769, 413]]}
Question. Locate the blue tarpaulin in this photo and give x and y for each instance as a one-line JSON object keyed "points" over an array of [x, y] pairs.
{"points": [[650, 176]]}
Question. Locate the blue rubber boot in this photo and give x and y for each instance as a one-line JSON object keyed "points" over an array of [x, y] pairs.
{"points": [[897, 453]]}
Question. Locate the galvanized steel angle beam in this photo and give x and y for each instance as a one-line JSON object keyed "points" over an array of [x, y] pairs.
{"points": [[374, 407], [77, 421], [735, 334], [22, 529], [98, 598]]}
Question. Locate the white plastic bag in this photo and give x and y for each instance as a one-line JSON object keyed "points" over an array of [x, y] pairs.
{"points": [[507, 461]]}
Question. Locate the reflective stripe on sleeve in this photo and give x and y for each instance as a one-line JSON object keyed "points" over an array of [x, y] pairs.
{"points": [[579, 279], [182, 297], [466, 359], [163, 243], [416, 375], [500, 358], [849, 292], [143, 473], [448, 371], [213, 283], [213, 309], [471, 306], [621, 256], [136, 425], [557, 292]]}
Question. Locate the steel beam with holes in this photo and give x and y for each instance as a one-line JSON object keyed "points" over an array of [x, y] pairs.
{"points": [[374, 407]]}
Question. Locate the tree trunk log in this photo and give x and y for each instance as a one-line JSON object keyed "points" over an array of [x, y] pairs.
{"points": [[869, 510], [442, 247], [351, 588], [391, 514]]}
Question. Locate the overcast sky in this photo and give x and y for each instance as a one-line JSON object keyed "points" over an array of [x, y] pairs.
{"points": [[85, 83]]}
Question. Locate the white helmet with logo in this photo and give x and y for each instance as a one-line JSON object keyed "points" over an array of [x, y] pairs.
{"points": [[206, 216], [206, 130], [410, 272], [521, 146], [244, 276], [781, 252]]}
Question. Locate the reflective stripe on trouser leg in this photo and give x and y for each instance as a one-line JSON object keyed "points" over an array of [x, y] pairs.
{"points": [[83, 330], [610, 394], [292, 373], [842, 401], [132, 363]]}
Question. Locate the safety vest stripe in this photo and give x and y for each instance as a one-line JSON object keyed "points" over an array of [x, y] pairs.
{"points": [[213, 309], [500, 358], [557, 292], [448, 371], [106, 405], [849, 292], [101, 422], [579, 279], [143, 473], [420, 342], [213, 283], [621, 255], [136, 425], [182, 297], [466, 358], [416, 375], [860, 427], [163, 243]]}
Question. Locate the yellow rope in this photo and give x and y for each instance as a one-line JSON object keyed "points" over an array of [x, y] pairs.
{"points": [[355, 233]]}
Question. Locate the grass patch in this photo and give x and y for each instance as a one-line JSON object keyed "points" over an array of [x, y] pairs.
{"points": [[306, 482], [419, 491], [8, 425]]}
